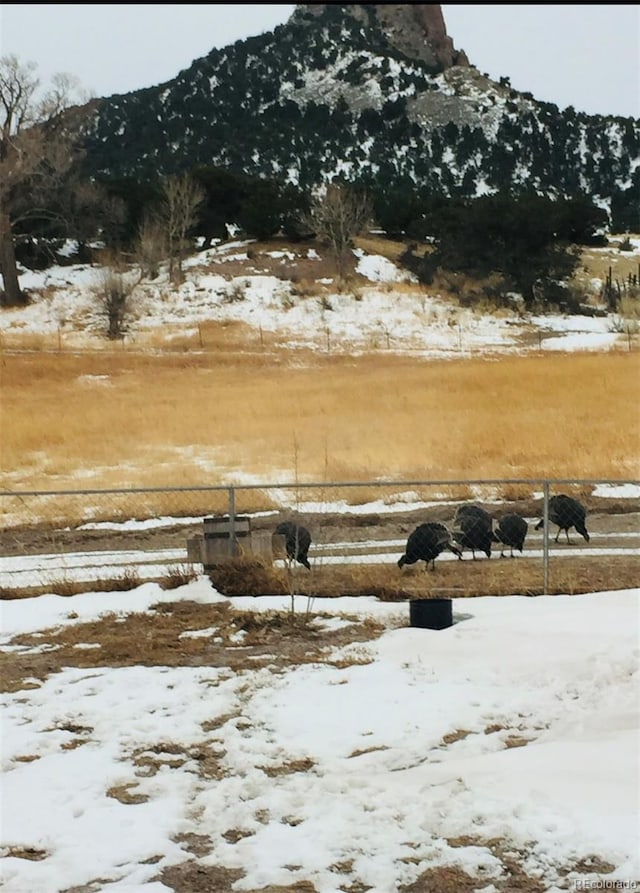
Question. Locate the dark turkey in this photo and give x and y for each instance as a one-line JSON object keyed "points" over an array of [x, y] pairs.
{"points": [[511, 531], [566, 512], [297, 540], [473, 529], [425, 544]]}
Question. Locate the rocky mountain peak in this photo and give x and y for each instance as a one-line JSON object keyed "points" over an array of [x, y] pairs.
{"points": [[417, 30]]}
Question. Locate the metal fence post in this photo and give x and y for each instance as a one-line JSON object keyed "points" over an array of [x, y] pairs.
{"points": [[545, 538], [233, 546]]}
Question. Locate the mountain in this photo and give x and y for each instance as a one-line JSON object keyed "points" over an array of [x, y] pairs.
{"points": [[370, 93]]}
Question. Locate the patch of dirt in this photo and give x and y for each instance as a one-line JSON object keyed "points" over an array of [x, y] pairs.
{"points": [[288, 768], [191, 877], [125, 793], [232, 638], [95, 886], [204, 758], [233, 835], [196, 844], [448, 879], [514, 878]]}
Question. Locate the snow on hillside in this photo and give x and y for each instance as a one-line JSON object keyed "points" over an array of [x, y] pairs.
{"points": [[379, 313]]}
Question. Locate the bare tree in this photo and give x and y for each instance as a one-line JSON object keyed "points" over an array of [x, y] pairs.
{"points": [[151, 245], [37, 149], [338, 216], [88, 208], [181, 199]]}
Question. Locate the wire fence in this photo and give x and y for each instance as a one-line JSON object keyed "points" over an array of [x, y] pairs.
{"points": [[421, 537]]}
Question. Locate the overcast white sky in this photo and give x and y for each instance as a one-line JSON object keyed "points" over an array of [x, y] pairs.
{"points": [[583, 55]]}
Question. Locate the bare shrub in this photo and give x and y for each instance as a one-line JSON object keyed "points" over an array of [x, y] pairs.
{"points": [[177, 576], [113, 292], [236, 291], [306, 288], [451, 283], [248, 576], [151, 246], [286, 298], [627, 320]]}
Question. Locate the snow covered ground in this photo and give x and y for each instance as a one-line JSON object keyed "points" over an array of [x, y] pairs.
{"points": [[375, 315], [521, 722]]}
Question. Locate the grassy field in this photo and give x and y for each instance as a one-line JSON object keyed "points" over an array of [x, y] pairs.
{"points": [[121, 418]]}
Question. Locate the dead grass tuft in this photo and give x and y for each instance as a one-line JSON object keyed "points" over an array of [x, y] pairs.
{"points": [[33, 854], [452, 737], [179, 575], [249, 576], [361, 751], [68, 587]]}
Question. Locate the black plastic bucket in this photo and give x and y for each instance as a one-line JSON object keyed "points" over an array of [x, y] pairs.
{"points": [[431, 613]]}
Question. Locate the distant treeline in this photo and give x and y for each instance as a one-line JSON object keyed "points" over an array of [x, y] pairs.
{"points": [[515, 243]]}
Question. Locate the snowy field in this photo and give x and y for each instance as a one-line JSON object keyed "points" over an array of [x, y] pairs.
{"points": [[519, 723]]}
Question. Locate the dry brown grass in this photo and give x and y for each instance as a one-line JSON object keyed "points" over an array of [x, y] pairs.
{"points": [[595, 264], [189, 418], [184, 407], [164, 636], [373, 244]]}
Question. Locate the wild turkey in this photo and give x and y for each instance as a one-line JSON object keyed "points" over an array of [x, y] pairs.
{"points": [[297, 540], [425, 544], [473, 529], [511, 531], [566, 512]]}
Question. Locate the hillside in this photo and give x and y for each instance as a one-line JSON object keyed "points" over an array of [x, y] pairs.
{"points": [[371, 94], [288, 292]]}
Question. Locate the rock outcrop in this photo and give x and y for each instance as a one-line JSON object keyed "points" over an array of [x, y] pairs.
{"points": [[417, 30]]}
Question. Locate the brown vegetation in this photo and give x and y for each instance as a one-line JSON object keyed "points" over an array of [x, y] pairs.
{"points": [[180, 419], [185, 634]]}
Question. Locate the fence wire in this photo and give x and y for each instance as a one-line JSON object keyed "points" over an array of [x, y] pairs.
{"points": [[463, 537]]}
